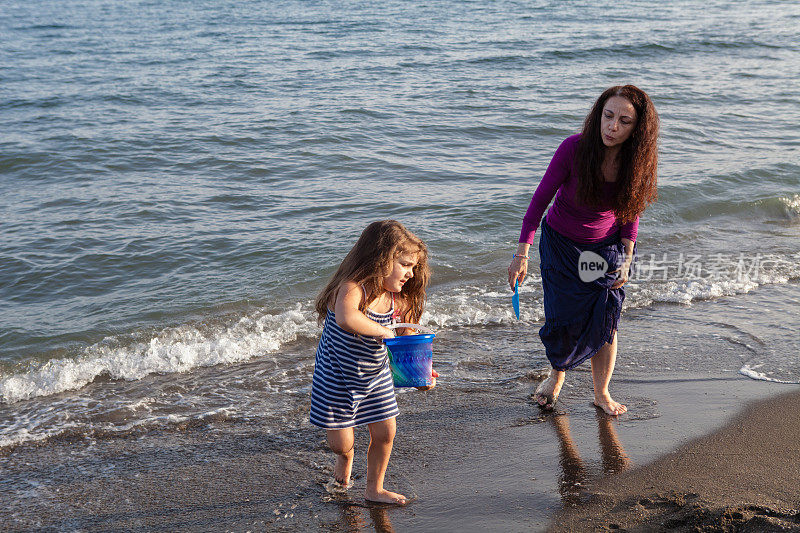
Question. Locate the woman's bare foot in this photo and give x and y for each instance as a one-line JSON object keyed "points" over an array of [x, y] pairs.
{"points": [[385, 496], [609, 406], [548, 390], [343, 468]]}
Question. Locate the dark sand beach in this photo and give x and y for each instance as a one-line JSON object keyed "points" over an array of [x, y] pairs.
{"points": [[478, 460], [743, 477], [701, 446]]}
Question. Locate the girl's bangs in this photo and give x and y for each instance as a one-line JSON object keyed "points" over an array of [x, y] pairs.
{"points": [[410, 247]]}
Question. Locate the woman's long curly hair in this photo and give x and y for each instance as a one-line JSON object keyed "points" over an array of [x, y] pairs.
{"points": [[371, 260], [638, 157]]}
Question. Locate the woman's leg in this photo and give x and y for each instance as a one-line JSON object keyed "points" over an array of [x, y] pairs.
{"points": [[341, 442], [613, 455], [602, 367], [381, 438], [573, 473], [548, 390]]}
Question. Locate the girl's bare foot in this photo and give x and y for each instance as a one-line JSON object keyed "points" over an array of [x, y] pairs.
{"points": [[609, 406], [343, 468], [548, 390], [385, 496]]}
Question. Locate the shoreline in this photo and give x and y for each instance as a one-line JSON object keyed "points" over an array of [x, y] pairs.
{"points": [[475, 453], [476, 458]]}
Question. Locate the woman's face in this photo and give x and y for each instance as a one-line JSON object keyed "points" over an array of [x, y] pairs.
{"points": [[617, 121], [402, 271]]}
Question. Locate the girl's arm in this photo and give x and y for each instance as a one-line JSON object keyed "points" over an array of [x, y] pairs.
{"points": [[351, 319]]}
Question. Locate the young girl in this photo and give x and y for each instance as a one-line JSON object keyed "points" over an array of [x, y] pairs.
{"points": [[382, 280]]}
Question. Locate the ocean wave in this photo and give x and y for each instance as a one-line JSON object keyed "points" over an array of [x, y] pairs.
{"points": [[791, 206], [481, 306], [173, 350], [687, 292], [27, 431], [696, 44], [714, 277], [720, 197], [186, 347]]}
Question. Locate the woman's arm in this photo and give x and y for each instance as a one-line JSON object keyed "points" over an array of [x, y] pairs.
{"points": [[519, 264], [628, 244], [627, 233], [351, 319], [630, 230], [624, 269], [557, 173]]}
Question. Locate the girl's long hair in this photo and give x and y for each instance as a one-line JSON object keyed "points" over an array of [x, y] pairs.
{"points": [[638, 157], [371, 260]]}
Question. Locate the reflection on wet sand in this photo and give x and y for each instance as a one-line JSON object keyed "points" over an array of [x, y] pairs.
{"points": [[353, 517], [613, 455], [380, 520], [573, 471]]}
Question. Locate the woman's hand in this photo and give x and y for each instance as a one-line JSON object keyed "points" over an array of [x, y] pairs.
{"points": [[518, 268], [434, 375], [625, 268], [624, 271]]}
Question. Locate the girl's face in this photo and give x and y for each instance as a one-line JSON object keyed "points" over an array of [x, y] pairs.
{"points": [[402, 271], [617, 121]]}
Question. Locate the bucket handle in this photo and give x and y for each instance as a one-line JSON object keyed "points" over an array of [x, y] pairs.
{"points": [[411, 326]]}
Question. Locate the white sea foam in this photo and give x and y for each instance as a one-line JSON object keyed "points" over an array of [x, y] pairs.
{"points": [[752, 373], [184, 348], [475, 305], [792, 206], [27, 430], [685, 292], [178, 349], [743, 277]]}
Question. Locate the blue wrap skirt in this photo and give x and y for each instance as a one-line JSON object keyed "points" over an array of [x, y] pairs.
{"points": [[580, 316]]}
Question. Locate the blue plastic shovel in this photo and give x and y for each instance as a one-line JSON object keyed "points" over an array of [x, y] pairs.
{"points": [[515, 299]]}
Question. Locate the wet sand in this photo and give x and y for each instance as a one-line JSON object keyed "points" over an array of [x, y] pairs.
{"points": [[743, 477], [475, 458]]}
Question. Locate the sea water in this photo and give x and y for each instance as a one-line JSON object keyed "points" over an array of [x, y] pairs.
{"points": [[179, 180]]}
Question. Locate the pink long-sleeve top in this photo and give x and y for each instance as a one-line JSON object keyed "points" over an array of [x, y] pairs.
{"points": [[568, 217]]}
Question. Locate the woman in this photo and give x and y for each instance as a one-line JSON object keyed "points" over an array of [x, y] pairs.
{"points": [[602, 180]]}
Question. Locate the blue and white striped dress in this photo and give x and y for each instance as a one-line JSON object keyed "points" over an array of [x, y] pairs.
{"points": [[352, 383]]}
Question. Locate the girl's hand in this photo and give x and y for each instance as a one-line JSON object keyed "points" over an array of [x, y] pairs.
{"points": [[434, 375], [386, 333], [399, 332], [517, 270]]}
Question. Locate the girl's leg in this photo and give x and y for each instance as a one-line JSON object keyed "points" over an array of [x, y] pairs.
{"points": [[341, 442], [548, 390], [602, 368], [381, 438]]}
